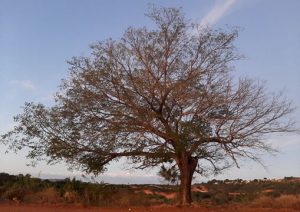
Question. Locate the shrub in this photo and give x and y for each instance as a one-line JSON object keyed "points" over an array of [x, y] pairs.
{"points": [[15, 193], [284, 201], [48, 195], [220, 198]]}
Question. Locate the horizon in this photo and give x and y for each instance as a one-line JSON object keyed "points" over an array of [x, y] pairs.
{"points": [[137, 181], [37, 38]]}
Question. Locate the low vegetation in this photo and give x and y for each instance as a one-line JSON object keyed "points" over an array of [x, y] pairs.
{"points": [[283, 193]]}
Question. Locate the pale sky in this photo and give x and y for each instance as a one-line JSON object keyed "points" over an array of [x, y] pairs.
{"points": [[37, 37]]}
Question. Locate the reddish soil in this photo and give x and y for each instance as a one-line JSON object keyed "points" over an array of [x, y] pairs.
{"points": [[41, 208]]}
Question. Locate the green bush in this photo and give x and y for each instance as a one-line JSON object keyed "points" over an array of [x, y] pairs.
{"points": [[33, 190], [14, 193], [220, 198]]}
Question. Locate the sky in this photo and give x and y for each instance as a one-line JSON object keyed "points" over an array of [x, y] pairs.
{"points": [[38, 37]]}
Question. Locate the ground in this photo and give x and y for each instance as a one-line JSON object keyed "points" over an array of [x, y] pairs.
{"points": [[47, 208]]}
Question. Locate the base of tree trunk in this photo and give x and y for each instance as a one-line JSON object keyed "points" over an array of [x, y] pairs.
{"points": [[187, 166]]}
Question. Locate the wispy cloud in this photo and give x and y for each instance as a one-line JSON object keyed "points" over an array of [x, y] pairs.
{"points": [[217, 12], [25, 84]]}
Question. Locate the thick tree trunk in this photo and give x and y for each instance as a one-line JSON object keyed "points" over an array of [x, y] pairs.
{"points": [[187, 166]]}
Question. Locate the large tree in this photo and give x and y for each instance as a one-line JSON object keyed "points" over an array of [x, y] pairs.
{"points": [[156, 95]]}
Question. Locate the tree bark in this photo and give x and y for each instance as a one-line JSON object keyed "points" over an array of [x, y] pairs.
{"points": [[187, 166]]}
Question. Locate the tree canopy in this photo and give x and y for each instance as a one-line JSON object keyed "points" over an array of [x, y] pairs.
{"points": [[156, 95]]}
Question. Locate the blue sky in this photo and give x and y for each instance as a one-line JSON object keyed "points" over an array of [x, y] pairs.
{"points": [[37, 37]]}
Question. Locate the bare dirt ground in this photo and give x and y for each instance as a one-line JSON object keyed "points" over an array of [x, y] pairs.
{"points": [[46, 208]]}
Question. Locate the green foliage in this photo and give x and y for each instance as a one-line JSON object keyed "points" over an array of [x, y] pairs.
{"points": [[239, 191], [32, 190], [26, 189], [16, 187], [169, 174], [220, 198]]}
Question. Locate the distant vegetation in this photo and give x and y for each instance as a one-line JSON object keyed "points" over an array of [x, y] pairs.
{"points": [[283, 193]]}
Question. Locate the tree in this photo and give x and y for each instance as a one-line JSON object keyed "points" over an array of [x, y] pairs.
{"points": [[169, 174], [155, 96]]}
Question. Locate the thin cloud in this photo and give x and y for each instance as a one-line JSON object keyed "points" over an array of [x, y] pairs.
{"points": [[217, 12], [25, 84]]}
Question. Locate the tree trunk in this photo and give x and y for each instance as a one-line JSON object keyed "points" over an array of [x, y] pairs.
{"points": [[187, 166]]}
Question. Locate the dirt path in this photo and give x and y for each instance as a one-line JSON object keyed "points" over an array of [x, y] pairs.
{"points": [[40, 208]]}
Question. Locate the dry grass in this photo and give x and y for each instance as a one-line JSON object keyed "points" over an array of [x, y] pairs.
{"points": [[71, 197], [284, 201], [48, 195]]}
